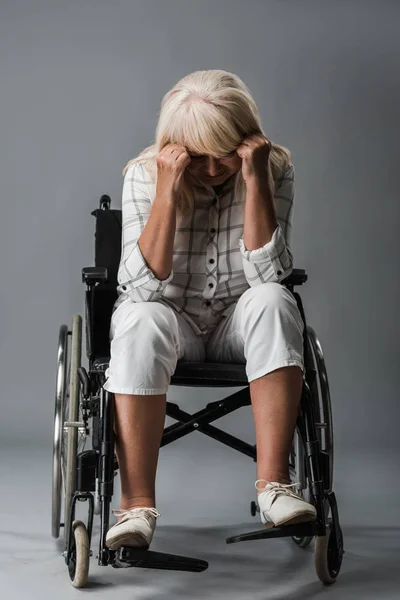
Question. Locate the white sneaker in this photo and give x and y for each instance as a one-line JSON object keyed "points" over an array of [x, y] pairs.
{"points": [[134, 530], [281, 505]]}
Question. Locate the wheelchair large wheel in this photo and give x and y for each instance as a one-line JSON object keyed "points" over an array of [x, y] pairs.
{"points": [[73, 424], [297, 472], [323, 412], [69, 434], [61, 381], [321, 393]]}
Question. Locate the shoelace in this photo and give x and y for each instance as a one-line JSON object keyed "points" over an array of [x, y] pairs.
{"points": [[280, 488], [135, 512]]}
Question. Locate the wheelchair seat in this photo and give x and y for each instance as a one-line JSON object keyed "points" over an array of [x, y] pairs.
{"points": [[198, 374]]}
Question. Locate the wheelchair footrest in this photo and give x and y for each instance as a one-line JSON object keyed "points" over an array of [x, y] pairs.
{"points": [[132, 557], [296, 530]]}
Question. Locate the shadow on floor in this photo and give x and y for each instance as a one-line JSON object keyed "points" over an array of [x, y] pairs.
{"points": [[265, 569], [258, 570]]}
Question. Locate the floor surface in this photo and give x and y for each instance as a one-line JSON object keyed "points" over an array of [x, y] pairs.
{"points": [[195, 521]]}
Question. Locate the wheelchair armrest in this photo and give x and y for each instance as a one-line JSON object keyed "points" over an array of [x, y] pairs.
{"points": [[296, 277], [94, 275]]}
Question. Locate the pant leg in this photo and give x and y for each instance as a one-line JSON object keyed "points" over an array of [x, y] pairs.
{"points": [[264, 330], [147, 340]]}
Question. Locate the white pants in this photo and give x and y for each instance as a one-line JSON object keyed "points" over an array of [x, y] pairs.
{"points": [[263, 330]]}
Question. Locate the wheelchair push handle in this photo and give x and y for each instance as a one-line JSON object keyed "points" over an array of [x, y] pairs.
{"points": [[105, 202]]}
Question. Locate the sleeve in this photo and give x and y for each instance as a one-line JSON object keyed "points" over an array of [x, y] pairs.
{"points": [[273, 262], [135, 278]]}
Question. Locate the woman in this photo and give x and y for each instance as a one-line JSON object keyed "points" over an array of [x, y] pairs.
{"points": [[207, 216]]}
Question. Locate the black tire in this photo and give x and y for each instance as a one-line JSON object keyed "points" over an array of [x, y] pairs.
{"points": [[321, 393], [322, 402]]}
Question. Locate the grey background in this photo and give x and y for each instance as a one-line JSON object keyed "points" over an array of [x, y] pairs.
{"points": [[82, 84], [81, 87]]}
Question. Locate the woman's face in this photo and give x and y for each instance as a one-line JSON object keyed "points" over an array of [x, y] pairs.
{"points": [[214, 171]]}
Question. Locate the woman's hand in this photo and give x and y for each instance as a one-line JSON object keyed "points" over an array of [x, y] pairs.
{"points": [[171, 163], [254, 152]]}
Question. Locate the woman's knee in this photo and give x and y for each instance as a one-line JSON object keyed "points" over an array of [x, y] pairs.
{"points": [[268, 295], [271, 299], [144, 348], [146, 322]]}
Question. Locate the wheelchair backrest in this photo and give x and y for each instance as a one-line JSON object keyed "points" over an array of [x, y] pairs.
{"points": [[108, 234], [108, 243]]}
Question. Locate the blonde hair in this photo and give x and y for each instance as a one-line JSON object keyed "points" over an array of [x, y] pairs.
{"points": [[209, 112]]}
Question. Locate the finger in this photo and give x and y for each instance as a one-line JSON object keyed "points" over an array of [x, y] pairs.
{"points": [[169, 149]]}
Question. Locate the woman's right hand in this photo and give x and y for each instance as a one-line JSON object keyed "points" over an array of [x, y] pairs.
{"points": [[171, 163]]}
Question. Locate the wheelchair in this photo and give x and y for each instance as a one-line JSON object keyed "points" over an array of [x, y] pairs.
{"points": [[85, 411]]}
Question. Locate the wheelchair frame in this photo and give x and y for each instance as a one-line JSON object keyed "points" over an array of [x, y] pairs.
{"points": [[93, 470]]}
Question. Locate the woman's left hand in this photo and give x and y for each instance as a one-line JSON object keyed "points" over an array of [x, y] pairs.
{"points": [[254, 152]]}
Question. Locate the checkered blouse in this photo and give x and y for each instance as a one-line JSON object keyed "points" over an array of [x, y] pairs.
{"points": [[211, 266]]}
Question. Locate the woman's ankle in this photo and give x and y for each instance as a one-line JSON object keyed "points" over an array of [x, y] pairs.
{"points": [[273, 476], [137, 502]]}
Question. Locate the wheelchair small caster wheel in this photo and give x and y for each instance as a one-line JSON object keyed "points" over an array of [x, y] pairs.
{"points": [[78, 565], [328, 555], [253, 508]]}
